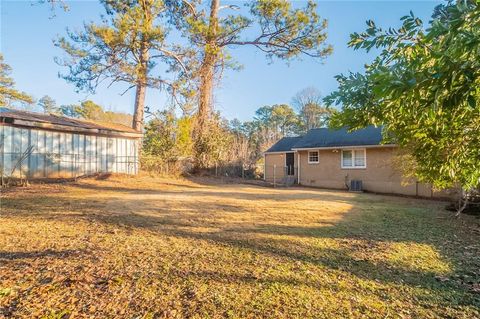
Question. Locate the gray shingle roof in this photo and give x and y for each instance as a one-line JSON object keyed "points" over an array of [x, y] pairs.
{"points": [[284, 145], [324, 137]]}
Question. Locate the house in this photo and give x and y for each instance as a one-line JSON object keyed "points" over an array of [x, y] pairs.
{"points": [[38, 145], [338, 159]]}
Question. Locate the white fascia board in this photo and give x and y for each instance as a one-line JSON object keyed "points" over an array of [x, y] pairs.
{"points": [[344, 147], [279, 152]]}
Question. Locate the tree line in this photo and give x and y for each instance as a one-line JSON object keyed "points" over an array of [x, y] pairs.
{"points": [[170, 137], [87, 110]]}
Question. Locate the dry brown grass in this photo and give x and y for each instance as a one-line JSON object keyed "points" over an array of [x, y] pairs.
{"points": [[146, 248]]}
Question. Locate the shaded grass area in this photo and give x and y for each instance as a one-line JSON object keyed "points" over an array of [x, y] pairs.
{"points": [[150, 248]]}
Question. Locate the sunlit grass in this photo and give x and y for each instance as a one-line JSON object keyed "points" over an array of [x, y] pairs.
{"points": [[141, 247]]}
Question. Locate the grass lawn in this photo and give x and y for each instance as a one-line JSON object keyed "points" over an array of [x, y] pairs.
{"points": [[156, 248]]}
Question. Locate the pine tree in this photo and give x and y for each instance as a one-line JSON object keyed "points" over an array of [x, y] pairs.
{"points": [[284, 33], [126, 47], [8, 94], [48, 105]]}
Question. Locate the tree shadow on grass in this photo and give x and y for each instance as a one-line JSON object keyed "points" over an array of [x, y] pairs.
{"points": [[372, 224], [238, 236], [451, 292], [245, 193], [48, 253]]}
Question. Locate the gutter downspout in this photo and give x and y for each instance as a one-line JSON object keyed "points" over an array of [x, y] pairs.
{"points": [[264, 167], [298, 174]]}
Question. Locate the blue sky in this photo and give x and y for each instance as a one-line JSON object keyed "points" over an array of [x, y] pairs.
{"points": [[27, 31]]}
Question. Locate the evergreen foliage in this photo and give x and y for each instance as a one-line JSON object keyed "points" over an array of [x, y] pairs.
{"points": [[9, 96], [424, 88]]}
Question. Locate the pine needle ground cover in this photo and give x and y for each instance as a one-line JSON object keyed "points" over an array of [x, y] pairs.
{"points": [[157, 248]]}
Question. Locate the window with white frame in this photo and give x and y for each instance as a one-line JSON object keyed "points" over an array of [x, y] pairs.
{"points": [[354, 158], [313, 157]]}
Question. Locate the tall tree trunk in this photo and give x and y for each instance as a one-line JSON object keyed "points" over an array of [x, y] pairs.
{"points": [[207, 69], [207, 74], [206, 89], [139, 107], [141, 89], [143, 59]]}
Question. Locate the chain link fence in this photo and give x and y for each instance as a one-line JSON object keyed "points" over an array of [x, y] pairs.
{"points": [[281, 175], [185, 166], [159, 166]]}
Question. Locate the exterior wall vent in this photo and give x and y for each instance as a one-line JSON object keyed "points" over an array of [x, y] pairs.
{"points": [[356, 186]]}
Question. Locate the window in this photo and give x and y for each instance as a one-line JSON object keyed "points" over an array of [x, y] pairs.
{"points": [[354, 159], [313, 157]]}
